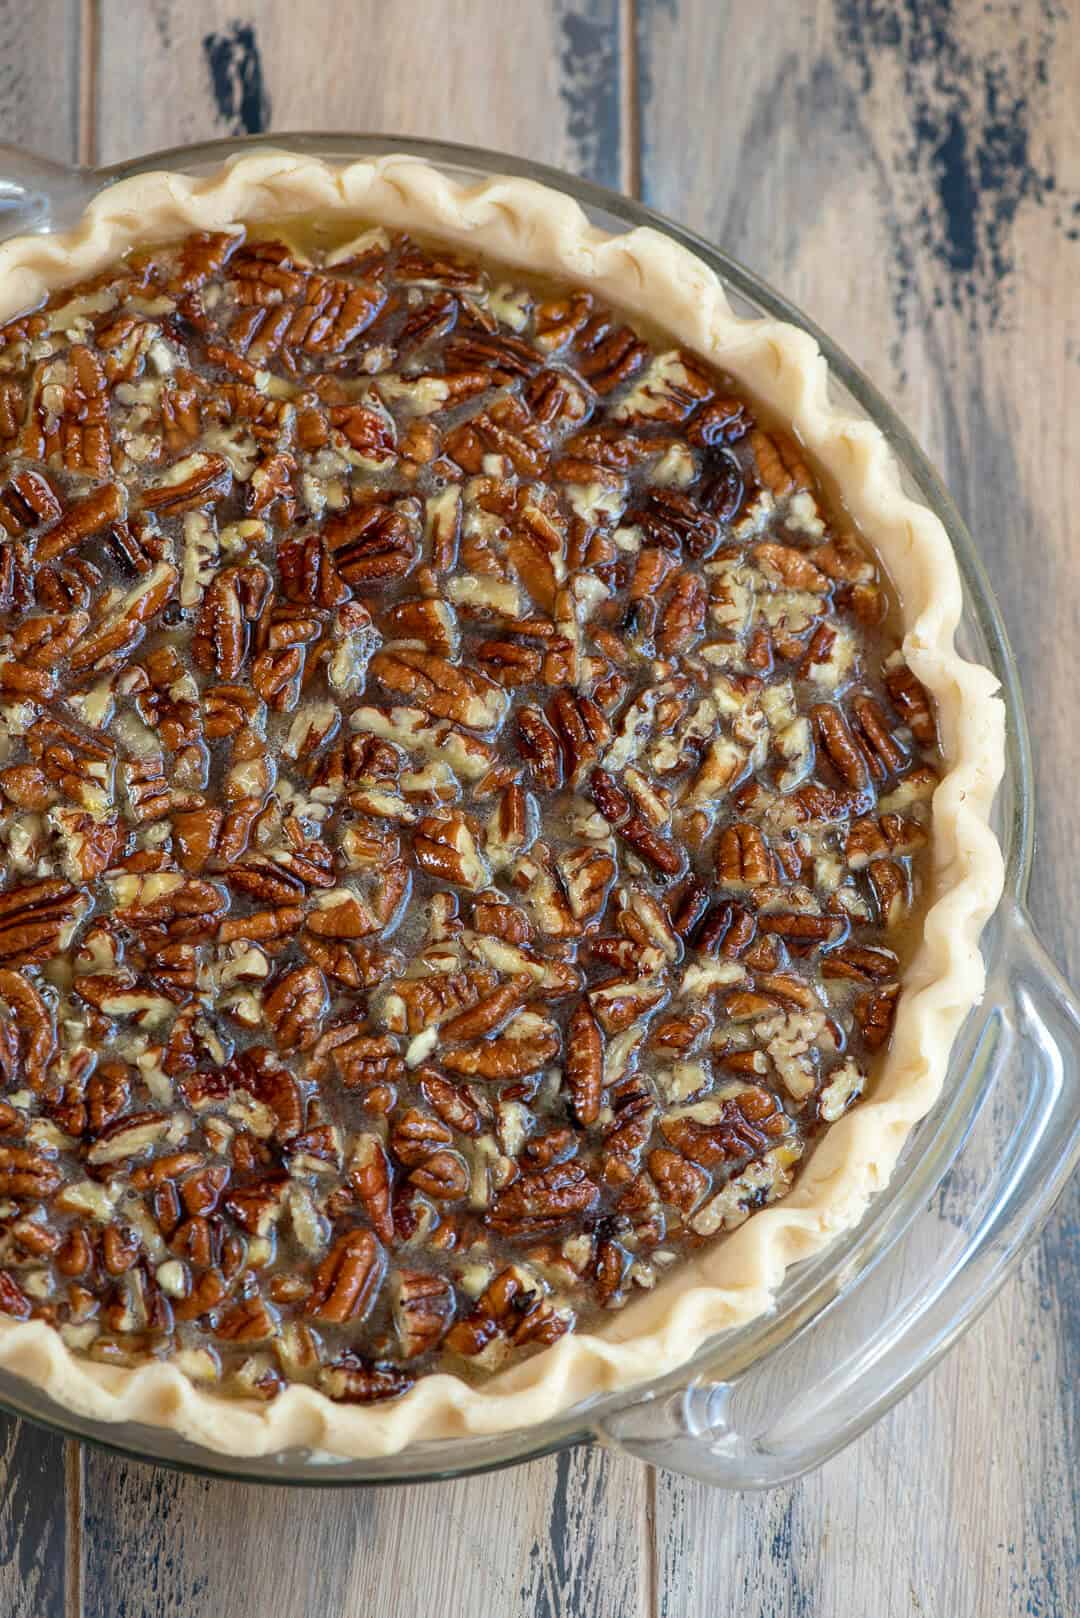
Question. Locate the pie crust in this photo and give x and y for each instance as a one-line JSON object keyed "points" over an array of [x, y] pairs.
{"points": [[537, 229]]}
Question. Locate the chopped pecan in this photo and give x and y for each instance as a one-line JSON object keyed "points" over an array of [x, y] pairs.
{"points": [[27, 500], [361, 1060], [248, 1321], [843, 751], [259, 1072], [610, 354], [33, 1035], [231, 604], [890, 890], [674, 521], [454, 1105], [587, 875], [13, 1300], [679, 1033], [538, 1203], [198, 480], [509, 662], [308, 575], [880, 747], [870, 839], [779, 465], [511, 1308], [416, 1135]]}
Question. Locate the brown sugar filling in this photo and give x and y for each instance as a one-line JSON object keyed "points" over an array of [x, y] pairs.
{"points": [[463, 811]]}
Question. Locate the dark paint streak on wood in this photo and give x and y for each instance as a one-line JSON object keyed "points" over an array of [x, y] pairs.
{"points": [[678, 1564], [785, 1557], [1057, 1514], [236, 78], [32, 1530], [590, 1557], [989, 484], [590, 62], [118, 1491], [549, 1564], [161, 11], [649, 13], [963, 160]]}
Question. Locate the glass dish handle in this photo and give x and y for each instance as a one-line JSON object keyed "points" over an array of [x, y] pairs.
{"points": [[787, 1413], [37, 193]]}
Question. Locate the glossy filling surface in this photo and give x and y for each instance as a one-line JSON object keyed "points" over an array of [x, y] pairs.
{"points": [[462, 809]]}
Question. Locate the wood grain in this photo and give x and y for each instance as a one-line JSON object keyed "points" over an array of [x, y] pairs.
{"points": [[568, 1541], [909, 175], [40, 55], [540, 81]]}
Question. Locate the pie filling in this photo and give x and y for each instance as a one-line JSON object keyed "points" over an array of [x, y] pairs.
{"points": [[462, 803]]}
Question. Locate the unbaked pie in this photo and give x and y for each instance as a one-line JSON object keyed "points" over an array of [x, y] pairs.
{"points": [[480, 738]]}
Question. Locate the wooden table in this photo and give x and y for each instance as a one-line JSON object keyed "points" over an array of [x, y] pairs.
{"points": [[910, 174]]}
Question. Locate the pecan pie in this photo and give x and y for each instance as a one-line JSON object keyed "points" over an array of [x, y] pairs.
{"points": [[465, 805]]}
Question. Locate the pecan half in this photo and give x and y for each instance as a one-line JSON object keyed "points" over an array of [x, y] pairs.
{"points": [[583, 1071], [345, 1283], [617, 809], [538, 1203], [423, 1309]]}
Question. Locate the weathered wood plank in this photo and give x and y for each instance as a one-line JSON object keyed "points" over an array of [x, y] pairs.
{"points": [[909, 175], [561, 1536], [564, 1535], [40, 49], [33, 1541], [39, 109], [542, 82]]}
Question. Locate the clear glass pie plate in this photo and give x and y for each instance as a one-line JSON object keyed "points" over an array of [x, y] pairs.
{"points": [[854, 1328]]}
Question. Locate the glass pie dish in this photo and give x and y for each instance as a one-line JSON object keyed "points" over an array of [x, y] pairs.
{"points": [[854, 1327]]}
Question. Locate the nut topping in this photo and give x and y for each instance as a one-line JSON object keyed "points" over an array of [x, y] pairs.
{"points": [[463, 811]]}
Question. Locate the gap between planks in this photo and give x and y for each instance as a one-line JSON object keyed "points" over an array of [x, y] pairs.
{"points": [[73, 1528], [630, 99], [86, 60]]}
